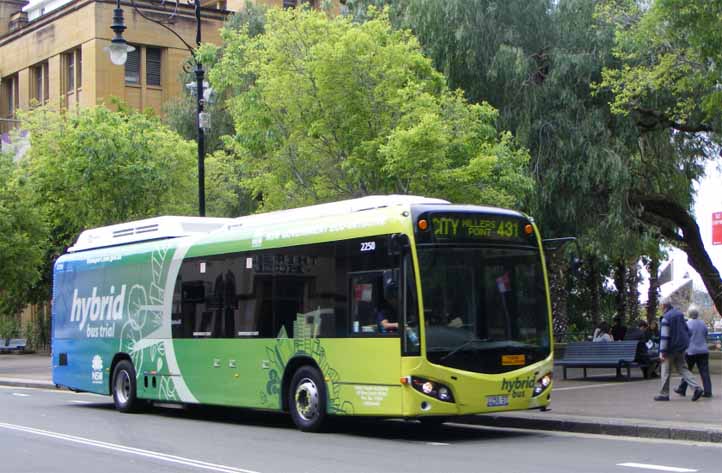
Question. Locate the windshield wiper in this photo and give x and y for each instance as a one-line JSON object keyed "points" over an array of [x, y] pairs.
{"points": [[462, 346]]}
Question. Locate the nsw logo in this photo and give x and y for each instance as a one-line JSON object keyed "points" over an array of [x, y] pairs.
{"points": [[97, 373]]}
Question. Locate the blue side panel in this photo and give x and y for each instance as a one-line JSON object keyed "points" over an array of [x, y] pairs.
{"points": [[81, 361], [105, 302], [87, 365]]}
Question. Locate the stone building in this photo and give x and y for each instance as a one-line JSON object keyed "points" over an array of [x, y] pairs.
{"points": [[52, 51]]}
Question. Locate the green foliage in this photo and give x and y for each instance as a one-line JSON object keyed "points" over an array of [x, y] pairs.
{"points": [[37, 332], [22, 240], [97, 167], [535, 61], [9, 326], [327, 109], [671, 51], [225, 195]]}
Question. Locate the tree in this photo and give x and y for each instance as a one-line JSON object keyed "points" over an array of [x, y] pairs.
{"points": [[328, 109], [668, 82], [98, 167], [536, 61], [22, 242]]}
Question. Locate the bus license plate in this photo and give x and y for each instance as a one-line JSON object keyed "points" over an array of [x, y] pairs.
{"points": [[497, 401]]}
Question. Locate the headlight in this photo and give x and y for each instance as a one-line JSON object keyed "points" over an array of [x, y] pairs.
{"points": [[432, 388], [543, 383]]}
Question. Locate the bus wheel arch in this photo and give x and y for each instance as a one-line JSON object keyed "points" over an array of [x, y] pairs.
{"points": [[123, 386], [306, 395], [116, 359], [293, 365]]}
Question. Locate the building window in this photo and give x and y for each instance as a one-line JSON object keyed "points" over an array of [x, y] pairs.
{"points": [[79, 67], [46, 82], [295, 3], [70, 72], [72, 65], [152, 66], [132, 67], [40, 86], [10, 95]]}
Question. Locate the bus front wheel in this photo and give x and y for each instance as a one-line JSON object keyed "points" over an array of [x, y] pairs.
{"points": [[307, 399], [124, 387]]}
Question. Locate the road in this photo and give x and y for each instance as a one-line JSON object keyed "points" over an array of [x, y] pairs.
{"points": [[61, 431]]}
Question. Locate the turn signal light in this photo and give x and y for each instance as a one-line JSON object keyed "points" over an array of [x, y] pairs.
{"points": [[423, 224], [528, 229]]}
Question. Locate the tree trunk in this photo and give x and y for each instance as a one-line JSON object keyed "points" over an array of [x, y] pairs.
{"points": [[594, 283], [632, 284], [653, 291], [620, 281], [670, 217]]}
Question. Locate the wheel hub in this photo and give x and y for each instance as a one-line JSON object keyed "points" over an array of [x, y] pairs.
{"points": [[122, 387], [307, 399]]}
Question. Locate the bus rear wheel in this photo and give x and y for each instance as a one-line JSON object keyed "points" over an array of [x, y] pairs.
{"points": [[124, 387], [307, 399]]}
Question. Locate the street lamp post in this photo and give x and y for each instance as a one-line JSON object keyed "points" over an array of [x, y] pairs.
{"points": [[119, 49]]}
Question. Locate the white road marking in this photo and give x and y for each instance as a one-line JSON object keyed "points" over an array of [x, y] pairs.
{"points": [[646, 466], [21, 395], [131, 450], [438, 444], [76, 401]]}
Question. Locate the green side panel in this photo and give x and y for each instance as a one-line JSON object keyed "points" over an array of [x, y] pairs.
{"points": [[249, 373]]}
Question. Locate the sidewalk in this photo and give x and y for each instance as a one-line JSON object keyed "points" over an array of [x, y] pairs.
{"points": [[601, 404]]}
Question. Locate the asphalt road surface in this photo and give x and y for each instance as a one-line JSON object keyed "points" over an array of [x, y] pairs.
{"points": [[60, 431]]}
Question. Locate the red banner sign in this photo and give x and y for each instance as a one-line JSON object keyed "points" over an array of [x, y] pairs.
{"points": [[717, 228]]}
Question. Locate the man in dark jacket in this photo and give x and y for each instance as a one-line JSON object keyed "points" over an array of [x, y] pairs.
{"points": [[674, 339], [648, 360]]}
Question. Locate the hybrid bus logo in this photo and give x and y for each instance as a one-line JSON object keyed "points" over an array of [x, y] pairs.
{"points": [[517, 384], [98, 308]]}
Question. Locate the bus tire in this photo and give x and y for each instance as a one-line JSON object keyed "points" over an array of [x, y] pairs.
{"points": [[307, 399], [124, 387]]}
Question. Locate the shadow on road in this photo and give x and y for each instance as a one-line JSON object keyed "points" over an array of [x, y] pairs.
{"points": [[377, 428]]}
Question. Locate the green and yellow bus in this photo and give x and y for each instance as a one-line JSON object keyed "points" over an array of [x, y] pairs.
{"points": [[387, 306]]}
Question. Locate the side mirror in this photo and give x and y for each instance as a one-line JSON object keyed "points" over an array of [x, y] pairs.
{"points": [[398, 244], [552, 245]]}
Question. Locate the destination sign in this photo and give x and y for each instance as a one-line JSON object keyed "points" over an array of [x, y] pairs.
{"points": [[467, 227]]}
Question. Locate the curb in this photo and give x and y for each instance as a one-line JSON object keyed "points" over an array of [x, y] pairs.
{"points": [[27, 383], [626, 429]]}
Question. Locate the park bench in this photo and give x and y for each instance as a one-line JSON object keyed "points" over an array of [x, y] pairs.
{"points": [[13, 344], [617, 355]]}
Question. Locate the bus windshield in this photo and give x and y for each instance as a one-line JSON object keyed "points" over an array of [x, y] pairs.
{"points": [[485, 308]]}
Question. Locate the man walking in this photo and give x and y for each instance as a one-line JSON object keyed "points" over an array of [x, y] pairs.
{"points": [[674, 339], [697, 353]]}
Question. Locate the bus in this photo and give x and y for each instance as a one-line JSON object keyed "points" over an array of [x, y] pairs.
{"points": [[386, 306]]}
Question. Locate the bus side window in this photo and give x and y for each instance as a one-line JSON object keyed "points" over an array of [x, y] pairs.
{"points": [[374, 302], [205, 299]]}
